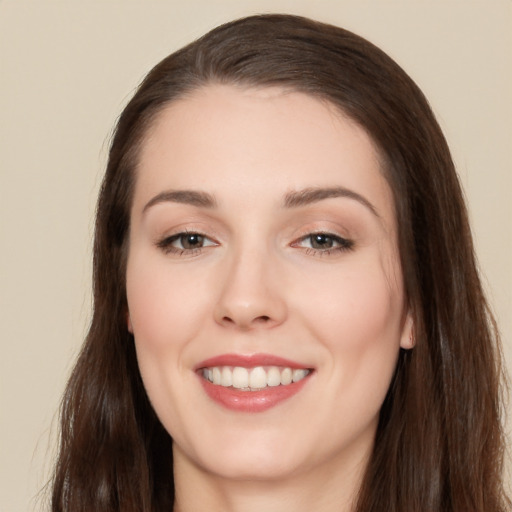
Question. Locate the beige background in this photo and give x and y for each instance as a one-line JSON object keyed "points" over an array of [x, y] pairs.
{"points": [[67, 68]]}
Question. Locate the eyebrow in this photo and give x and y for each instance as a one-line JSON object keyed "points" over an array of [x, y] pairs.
{"points": [[308, 196], [191, 197], [294, 199]]}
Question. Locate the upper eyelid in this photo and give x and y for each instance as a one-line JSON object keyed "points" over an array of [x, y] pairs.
{"points": [[219, 238], [165, 244], [329, 234], [181, 232], [203, 232]]}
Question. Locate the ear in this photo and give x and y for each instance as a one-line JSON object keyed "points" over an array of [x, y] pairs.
{"points": [[129, 322], [408, 339]]}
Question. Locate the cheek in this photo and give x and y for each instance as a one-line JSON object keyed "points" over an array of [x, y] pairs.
{"points": [[357, 305], [359, 323], [166, 313], [165, 307], [362, 314]]}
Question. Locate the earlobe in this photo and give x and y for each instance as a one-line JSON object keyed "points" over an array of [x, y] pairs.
{"points": [[408, 340]]}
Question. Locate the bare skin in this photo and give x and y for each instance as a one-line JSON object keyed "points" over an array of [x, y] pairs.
{"points": [[262, 224]]}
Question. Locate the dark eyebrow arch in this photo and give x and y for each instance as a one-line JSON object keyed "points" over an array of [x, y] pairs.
{"points": [[191, 197], [308, 196]]}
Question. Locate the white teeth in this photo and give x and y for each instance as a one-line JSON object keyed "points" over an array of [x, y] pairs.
{"points": [[240, 377], [299, 374], [258, 378], [227, 377], [216, 376], [286, 376], [273, 376], [253, 379]]}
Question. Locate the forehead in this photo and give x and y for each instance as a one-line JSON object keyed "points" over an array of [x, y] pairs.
{"points": [[260, 142]]}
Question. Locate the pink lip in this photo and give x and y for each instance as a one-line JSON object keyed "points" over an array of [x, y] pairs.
{"points": [[250, 401], [249, 361]]}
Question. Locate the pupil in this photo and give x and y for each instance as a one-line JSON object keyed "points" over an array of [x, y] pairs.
{"points": [[321, 241], [191, 241]]}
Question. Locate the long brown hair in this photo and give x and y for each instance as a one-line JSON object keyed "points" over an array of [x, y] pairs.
{"points": [[439, 445]]}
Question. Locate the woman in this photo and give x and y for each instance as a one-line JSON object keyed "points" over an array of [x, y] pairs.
{"points": [[287, 311]]}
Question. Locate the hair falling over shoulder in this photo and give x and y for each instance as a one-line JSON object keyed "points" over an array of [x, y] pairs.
{"points": [[440, 442]]}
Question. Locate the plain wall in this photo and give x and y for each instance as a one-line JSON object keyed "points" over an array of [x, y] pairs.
{"points": [[66, 70]]}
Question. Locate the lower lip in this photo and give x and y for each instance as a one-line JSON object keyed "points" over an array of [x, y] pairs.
{"points": [[252, 401]]}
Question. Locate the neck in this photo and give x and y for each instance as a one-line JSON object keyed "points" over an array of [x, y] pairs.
{"points": [[330, 488]]}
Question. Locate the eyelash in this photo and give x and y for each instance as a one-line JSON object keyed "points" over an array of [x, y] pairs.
{"points": [[343, 244], [166, 243]]}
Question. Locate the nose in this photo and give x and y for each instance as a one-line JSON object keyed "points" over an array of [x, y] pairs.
{"points": [[251, 294]]}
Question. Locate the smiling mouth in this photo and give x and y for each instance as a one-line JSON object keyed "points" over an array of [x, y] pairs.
{"points": [[253, 379]]}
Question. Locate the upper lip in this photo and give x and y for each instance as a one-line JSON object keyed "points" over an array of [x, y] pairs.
{"points": [[249, 361]]}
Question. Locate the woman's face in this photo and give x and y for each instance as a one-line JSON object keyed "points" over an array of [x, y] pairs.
{"points": [[263, 250]]}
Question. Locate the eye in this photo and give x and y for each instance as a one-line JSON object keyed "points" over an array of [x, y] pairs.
{"points": [[324, 243], [186, 242]]}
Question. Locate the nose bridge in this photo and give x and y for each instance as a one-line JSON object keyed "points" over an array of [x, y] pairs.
{"points": [[250, 294]]}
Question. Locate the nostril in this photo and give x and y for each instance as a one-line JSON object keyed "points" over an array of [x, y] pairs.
{"points": [[263, 319]]}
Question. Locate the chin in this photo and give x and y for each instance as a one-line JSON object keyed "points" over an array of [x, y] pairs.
{"points": [[247, 455], [259, 466]]}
